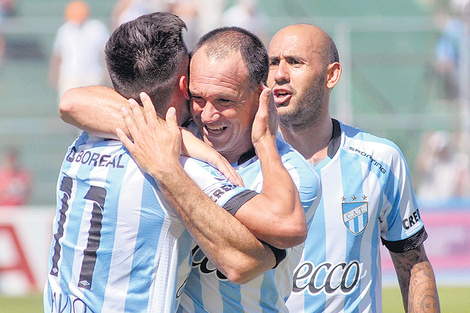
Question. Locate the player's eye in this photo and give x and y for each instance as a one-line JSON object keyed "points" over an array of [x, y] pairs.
{"points": [[273, 62], [224, 102], [198, 100], [294, 61]]}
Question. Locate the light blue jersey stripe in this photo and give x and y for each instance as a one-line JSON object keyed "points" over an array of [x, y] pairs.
{"points": [[148, 235]]}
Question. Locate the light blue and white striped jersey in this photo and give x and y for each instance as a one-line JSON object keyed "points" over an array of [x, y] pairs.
{"points": [[117, 244], [207, 290], [366, 195]]}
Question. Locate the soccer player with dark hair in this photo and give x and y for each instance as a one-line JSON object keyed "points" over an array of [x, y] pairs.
{"points": [[118, 245], [228, 70]]}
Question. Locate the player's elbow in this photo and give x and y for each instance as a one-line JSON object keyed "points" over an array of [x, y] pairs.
{"points": [[289, 232], [300, 237], [239, 278], [289, 229], [67, 106], [293, 235], [285, 235], [242, 269], [243, 274]]}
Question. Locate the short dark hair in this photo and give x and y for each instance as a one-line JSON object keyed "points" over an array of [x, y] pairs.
{"points": [[220, 42], [147, 54]]}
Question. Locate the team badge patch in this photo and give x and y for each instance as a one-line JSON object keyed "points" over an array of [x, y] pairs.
{"points": [[355, 216]]}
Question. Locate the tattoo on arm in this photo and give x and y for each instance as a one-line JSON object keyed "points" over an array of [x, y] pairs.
{"points": [[416, 280]]}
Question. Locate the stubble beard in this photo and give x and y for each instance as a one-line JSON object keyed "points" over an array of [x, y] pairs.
{"points": [[307, 108]]}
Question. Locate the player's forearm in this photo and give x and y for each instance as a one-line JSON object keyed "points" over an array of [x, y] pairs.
{"points": [[417, 281], [198, 149], [276, 216], [228, 244], [94, 109], [423, 296]]}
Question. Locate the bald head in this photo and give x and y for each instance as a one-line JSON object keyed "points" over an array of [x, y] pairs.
{"points": [[307, 36]]}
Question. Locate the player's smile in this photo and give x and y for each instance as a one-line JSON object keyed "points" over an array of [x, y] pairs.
{"points": [[214, 131], [216, 135]]}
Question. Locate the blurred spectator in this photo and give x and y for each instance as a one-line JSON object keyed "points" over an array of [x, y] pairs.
{"points": [[451, 52], [2, 49], [246, 14], [447, 51], [78, 53], [7, 8], [15, 181], [127, 10], [200, 16], [187, 10], [444, 171], [209, 15]]}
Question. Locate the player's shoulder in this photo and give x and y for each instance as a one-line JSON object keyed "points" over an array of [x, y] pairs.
{"points": [[289, 154], [88, 149], [189, 162], [295, 162], [356, 140], [88, 141], [201, 171]]}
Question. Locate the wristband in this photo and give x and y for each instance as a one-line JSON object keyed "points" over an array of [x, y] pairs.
{"points": [[279, 254]]}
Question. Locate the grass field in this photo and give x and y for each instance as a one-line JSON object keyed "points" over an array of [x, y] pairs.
{"points": [[453, 300]]}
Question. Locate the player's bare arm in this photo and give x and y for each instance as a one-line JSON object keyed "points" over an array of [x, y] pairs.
{"points": [[94, 109], [230, 246], [97, 110], [417, 281], [275, 216], [194, 147]]}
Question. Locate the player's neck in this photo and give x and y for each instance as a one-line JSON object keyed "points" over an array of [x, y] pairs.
{"points": [[311, 142]]}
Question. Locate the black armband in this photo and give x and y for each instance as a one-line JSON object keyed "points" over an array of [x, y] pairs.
{"points": [[408, 244], [279, 254], [237, 201]]}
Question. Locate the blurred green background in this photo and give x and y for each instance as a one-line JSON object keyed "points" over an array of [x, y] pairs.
{"points": [[389, 85]]}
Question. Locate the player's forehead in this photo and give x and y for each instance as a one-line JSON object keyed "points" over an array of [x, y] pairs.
{"points": [[209, 76], [296, 40]]}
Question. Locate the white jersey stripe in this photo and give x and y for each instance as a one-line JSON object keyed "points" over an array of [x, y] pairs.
{"points": [[120, 263]]}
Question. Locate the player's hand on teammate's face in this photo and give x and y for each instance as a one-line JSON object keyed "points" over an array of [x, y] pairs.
{"points": [[155, 143], [266, 123]]}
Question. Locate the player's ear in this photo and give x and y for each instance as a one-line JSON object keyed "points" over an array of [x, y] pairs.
{"points": [[183, 85], [333, 74]]}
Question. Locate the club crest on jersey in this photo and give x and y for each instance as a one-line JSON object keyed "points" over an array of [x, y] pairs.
{"points": [[355, 215]]}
